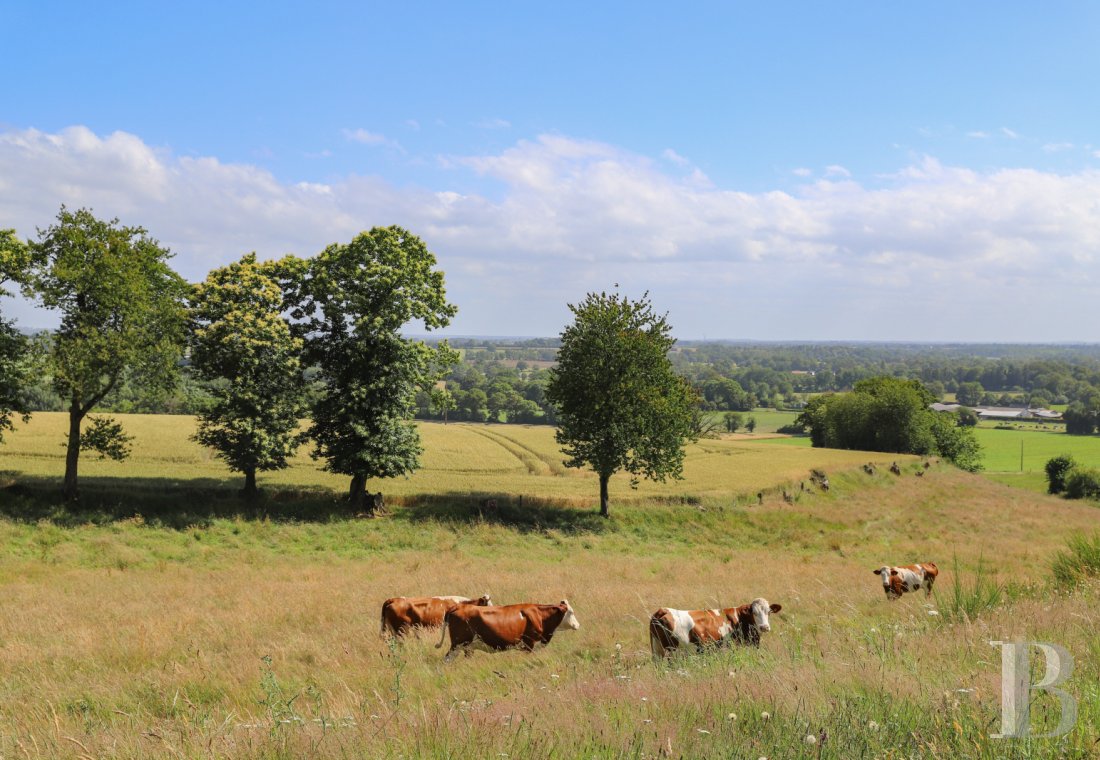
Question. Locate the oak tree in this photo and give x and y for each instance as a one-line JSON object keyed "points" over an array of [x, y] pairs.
{"points": [[350, 302], [123, 317]]}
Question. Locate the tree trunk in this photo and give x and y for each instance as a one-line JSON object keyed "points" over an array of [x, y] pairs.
{"points": [[72, 452], [357, 494], [603, 494], [250, 491]]}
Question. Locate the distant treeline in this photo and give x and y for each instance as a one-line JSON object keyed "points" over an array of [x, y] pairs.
{"points": [[505, 381]]}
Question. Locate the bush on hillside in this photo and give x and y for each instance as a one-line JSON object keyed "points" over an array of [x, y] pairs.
{"points": [[1083, 483], [1058, 469], [1079, 563]]}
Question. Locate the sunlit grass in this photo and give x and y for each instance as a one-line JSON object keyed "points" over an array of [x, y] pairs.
{"points": [[258, 636]]}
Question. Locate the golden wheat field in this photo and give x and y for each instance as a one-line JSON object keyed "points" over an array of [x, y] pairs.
{"points": [[245, 635], [458, 458]]}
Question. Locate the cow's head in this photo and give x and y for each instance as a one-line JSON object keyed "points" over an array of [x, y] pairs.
{"points": [[761, 611], [570, 620], [484, 601], [886, 572]]}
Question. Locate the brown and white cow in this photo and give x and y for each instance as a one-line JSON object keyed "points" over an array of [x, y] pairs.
{"points": [[403, 613], [671, 629], [505, 627], [898, 580]]}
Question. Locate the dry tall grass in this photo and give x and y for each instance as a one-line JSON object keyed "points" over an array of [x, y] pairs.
{"points": [[256, 639]]}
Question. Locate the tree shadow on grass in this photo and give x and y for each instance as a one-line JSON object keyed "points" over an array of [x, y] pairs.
{"points": [[521, 513], [182, 504], [162, 502]]}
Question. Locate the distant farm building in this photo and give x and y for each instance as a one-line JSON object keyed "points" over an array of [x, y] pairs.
{"points": [[1002, 412]]}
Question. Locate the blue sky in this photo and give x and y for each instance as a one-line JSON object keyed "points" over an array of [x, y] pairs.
{"points": [[880, 170]]}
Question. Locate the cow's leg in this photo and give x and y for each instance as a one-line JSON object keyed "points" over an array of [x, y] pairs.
{"points": [[454, 650], [928, 586]]}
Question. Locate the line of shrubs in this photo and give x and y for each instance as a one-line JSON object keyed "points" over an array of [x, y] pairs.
{"points": [[1067, 477]]}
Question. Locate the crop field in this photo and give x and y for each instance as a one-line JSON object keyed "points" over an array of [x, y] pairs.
{"points": [[459, 459], [257, 636]]}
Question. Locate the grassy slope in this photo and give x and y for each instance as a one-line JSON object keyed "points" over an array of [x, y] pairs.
{"points": [[129, 640]]}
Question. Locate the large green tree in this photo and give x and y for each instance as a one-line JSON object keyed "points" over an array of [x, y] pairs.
{"points": [[14, 354], [243, 349], [123, 317], [889, 414], [620, 404], [350, 302]]}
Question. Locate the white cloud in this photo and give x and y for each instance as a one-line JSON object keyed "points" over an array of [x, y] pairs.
{"points": [[413, 124], [670, 155], [929, 252], [493, 124], [835, 170], [802, 171], [1058, 147], [366, 137], [978, 135], [1009, 133]]}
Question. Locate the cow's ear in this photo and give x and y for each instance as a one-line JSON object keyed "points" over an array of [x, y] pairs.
{"points": [[776, 607], [876, 571], [893, 572]]}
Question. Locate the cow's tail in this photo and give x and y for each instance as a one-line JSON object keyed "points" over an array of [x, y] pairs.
{"points": [[385, 606], [658, 630], [446, 627]]}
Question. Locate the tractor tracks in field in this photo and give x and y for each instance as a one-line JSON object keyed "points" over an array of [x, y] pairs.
{"points": [[536, 463]]}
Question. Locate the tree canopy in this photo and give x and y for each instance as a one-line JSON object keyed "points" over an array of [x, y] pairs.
{"points": [[243, 349], [350, 303], [123, 316], [14, 354], [620, 404], [889, 414]]}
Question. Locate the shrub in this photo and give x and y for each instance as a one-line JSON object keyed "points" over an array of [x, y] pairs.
{"points": [[1079, 563], [1058, 469], [792, 429], [1083, 483], [965, 603]]}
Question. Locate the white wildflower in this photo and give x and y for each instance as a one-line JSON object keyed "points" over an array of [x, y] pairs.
{"points": [[732, 716], [765, 715]]}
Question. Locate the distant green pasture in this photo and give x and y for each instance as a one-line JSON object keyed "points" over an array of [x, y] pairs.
{"points": [[1001, 449]]}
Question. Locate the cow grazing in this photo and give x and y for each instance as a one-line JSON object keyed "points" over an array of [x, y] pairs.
{"points": [[505, 627], [403, 613], [670, 629], [895, 469], [898, 580]]}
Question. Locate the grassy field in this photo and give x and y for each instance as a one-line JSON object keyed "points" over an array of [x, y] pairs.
{"points": [[246, 637], [459, 459], [1001, 453]]}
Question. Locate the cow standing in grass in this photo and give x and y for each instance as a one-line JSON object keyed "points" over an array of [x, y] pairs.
{"points": [[510, 626], [899, 580], [403, 613], [671, 629]]}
